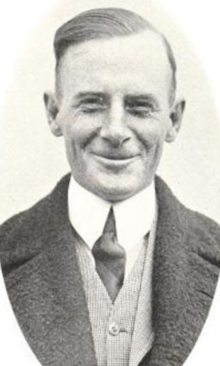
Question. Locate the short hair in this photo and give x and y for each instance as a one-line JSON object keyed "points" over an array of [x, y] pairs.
{"points": [[105, 23]]}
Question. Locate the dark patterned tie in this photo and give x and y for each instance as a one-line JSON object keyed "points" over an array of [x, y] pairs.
{"points": [[110, 258]]}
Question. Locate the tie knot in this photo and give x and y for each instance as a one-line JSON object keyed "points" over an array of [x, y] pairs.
{"points": [[110, 225]]}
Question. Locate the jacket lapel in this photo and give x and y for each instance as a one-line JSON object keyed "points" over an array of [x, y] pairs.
{"points": [[47, 293], [181, 277]]}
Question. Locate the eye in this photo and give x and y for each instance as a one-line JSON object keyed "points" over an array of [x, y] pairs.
{"points": [[141, 109], [92, 105]]}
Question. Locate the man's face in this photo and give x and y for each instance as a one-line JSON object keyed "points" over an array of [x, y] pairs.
{"points": [[114, 112]]}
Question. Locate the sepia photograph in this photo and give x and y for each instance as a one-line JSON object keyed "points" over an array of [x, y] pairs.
{"points": [[110, 165]]}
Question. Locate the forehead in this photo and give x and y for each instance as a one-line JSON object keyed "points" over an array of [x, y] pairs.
{"points": [[131, 62]]}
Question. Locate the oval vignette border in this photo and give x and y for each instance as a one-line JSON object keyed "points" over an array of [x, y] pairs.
{"points": [[206, 348]]}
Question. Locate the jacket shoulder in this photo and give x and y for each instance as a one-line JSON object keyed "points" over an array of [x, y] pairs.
{"points": [[203, 232], [207, 232], [22, 236], [21, 224]]}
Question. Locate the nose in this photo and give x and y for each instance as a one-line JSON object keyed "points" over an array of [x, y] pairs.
{"points": [[114, 128]]}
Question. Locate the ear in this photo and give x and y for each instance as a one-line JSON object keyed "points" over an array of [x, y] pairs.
{"points": [[176, 116], [52, 112]]}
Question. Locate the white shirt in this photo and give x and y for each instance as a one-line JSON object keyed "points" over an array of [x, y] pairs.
{"points": [[133, 216]]}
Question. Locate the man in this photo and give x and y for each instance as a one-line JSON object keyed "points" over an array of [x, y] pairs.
{"points": [[110, 268]]}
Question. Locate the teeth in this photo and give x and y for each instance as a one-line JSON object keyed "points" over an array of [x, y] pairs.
{"points": [[116, 158]]}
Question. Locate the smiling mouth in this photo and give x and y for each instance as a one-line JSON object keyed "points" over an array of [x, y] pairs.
{"points": [[116, 159]]}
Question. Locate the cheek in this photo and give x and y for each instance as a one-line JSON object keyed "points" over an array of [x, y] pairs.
{"points": [[151, 136], [79, 130]]}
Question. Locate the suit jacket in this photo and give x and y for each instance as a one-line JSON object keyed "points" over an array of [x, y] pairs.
{"points": [[45, 286]]}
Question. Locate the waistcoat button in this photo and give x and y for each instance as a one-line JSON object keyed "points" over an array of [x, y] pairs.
{"points": [[114, 329]]}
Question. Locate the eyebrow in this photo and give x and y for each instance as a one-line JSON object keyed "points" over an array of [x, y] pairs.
{"points": [[147, 97], [87, 94]]}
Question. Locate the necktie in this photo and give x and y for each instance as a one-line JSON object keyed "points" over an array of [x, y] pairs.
{"points": [[110, 258]]}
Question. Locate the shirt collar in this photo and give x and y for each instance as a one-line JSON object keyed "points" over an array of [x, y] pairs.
{"points": [[134, 216]]}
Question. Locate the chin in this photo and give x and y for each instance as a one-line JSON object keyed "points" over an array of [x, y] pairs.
{"points": [[116, 194], [112, 188]]}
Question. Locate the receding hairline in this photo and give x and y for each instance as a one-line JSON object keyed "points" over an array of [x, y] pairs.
{"points": [[104, 24]]}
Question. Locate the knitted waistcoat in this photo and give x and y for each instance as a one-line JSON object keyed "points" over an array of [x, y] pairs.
{"points": [[116, 342]]}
